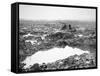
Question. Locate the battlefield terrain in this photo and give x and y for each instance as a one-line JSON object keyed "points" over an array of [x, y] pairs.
{"points": [[35, 36]]}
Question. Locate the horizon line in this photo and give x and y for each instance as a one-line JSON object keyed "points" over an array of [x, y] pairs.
{"points": [[57, 20]]}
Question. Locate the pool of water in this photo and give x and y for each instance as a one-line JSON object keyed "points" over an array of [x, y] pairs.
{"points": [[51, 55]]}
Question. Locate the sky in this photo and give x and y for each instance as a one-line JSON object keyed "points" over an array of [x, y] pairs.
{"points": [[33, 12]]}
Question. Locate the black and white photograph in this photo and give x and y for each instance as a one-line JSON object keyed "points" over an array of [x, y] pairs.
{"points": [[55, 38]]}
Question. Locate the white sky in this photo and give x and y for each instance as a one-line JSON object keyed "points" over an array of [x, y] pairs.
{"points": [[33, 12]]}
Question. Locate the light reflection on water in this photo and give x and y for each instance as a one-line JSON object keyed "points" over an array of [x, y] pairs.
{"points": [[52, 55]]}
